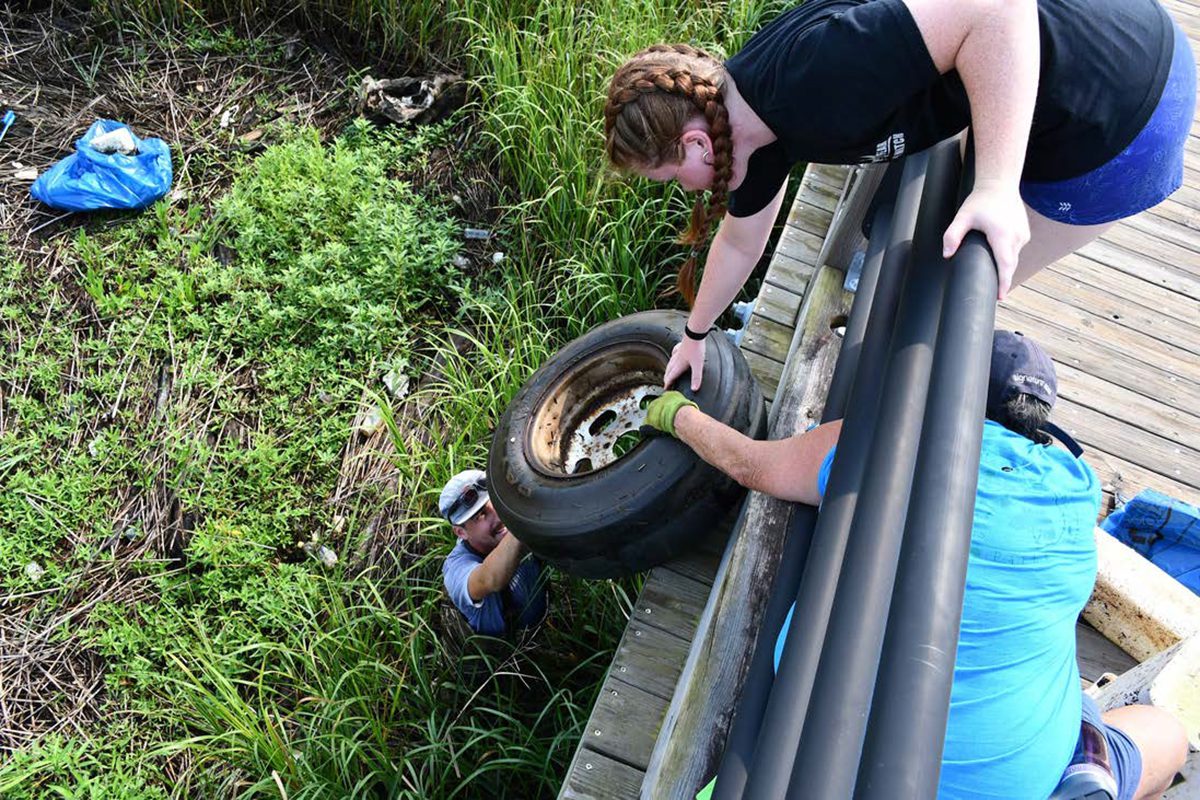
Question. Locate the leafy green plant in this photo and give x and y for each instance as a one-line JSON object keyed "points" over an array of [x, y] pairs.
{"points": [[204, 366]]}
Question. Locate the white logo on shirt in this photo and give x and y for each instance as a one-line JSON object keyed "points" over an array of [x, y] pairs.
{"points": [[890, 148]]}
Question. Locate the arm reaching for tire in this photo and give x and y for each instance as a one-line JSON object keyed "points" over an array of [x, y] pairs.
{"points": [[735, 250], [784, 468]]}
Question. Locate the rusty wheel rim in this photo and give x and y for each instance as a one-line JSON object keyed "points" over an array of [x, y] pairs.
{"points": [[589, 418]]}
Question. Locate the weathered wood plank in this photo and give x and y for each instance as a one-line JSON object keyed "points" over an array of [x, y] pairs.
{"points": [[1117, 474], [1182, 257], [1141, 266], [624, 723], [1097, 655], [1179, 9], [699, 564], [799, 245], [1175, 689], [1133, 291], [1137, 409], [1188, 787], [1134, 343], [766, 371], [1135, 604], [1131, 684], [819, 194], [1118, 309], [767, 338], [810, 218], [649, 658], [1177, 233], [694, 730], [1099, 358], [778, 305], [594, 776], [1166, 680], [1175, 213], [828, 177], [672, 602], [789, 273], [832, 174], [1153, 453]]}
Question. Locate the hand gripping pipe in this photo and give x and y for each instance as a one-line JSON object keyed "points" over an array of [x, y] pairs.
{"points": [[826, 763], [902, 753], [756, 688], [784, 716]]}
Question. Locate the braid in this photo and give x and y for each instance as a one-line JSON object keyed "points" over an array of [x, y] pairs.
{"points": [[651, 97]]}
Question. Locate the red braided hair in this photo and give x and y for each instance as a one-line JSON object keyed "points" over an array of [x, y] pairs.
{"points": [[650, 99]]}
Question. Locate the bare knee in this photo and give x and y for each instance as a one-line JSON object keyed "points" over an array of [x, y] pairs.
{"points": [[1161, 740]]}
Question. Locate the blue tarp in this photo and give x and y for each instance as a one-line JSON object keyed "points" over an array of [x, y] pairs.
{"points": [[1164, 530]]}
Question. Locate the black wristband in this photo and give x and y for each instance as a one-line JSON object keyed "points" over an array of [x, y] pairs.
{"points": [[691, 334]]}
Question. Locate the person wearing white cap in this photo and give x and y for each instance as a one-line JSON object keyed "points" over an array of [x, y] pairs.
{"points": [[487, 576]]}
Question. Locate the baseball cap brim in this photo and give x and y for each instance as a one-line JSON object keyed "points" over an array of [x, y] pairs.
{"points": [[472, 510]]}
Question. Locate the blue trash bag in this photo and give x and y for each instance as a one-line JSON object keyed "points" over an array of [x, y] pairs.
{"points": [[88, 179], [1164, 530]]}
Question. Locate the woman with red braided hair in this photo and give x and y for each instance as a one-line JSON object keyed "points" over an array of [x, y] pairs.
{"points": [[1079, 108]]}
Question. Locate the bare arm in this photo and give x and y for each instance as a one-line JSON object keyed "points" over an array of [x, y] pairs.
{"points": [[995, 47], [785, 468], [496, 570], [735, 249]]}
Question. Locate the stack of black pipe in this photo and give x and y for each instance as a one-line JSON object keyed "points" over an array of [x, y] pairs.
{"points": [[858, 708]]}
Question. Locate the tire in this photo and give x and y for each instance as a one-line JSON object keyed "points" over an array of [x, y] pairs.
{"points": [[562, 480]]}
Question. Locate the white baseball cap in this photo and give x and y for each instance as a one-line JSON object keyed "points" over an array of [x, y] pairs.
{"points": [[463, 496]]}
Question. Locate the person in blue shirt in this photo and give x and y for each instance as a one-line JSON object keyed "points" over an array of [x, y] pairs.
{"points": [[487, 575], [1016, 709]]}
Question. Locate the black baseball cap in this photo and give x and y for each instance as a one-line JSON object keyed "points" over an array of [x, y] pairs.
{"points": [[1019, 366]]}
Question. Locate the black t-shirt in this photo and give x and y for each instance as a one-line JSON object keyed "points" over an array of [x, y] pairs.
{"points": [[851, 81]]}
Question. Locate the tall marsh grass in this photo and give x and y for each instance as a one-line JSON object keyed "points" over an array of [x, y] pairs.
{"points": [[359, 691]]}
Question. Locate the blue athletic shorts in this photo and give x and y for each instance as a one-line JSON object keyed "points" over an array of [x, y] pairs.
{"points": [[1140, 176], [1123, 755]]}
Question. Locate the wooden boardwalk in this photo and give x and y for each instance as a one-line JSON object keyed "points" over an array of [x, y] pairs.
{"points": [[1122, 320], [615, 748]]}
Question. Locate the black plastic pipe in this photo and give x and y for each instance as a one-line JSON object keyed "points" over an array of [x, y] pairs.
{"points": [[902, 753], [880, 222], [784, 718], [756, 687], [827, 758]]}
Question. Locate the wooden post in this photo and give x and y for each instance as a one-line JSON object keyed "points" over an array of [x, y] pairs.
{"points": [[845, 232], [693, 734]]}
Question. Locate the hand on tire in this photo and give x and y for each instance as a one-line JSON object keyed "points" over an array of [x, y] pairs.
{"points": [[687, 355], [660, 414]]}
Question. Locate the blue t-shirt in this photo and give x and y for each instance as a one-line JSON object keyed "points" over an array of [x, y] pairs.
{"points": [[1015, 705], [527, 590]]}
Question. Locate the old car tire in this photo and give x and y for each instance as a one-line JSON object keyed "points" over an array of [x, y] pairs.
{"points": [[557, 472]]}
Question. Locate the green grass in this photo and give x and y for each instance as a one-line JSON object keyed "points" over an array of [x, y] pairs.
{"points": [[200, 368]]}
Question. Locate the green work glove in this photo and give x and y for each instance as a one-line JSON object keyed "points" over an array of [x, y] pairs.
{"points": [[660, 414]]}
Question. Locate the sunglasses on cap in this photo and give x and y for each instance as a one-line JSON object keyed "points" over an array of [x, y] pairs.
{"points": [[469, 497]]}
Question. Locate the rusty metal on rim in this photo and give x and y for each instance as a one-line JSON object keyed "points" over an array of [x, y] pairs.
{"points": [[590, 417]]}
